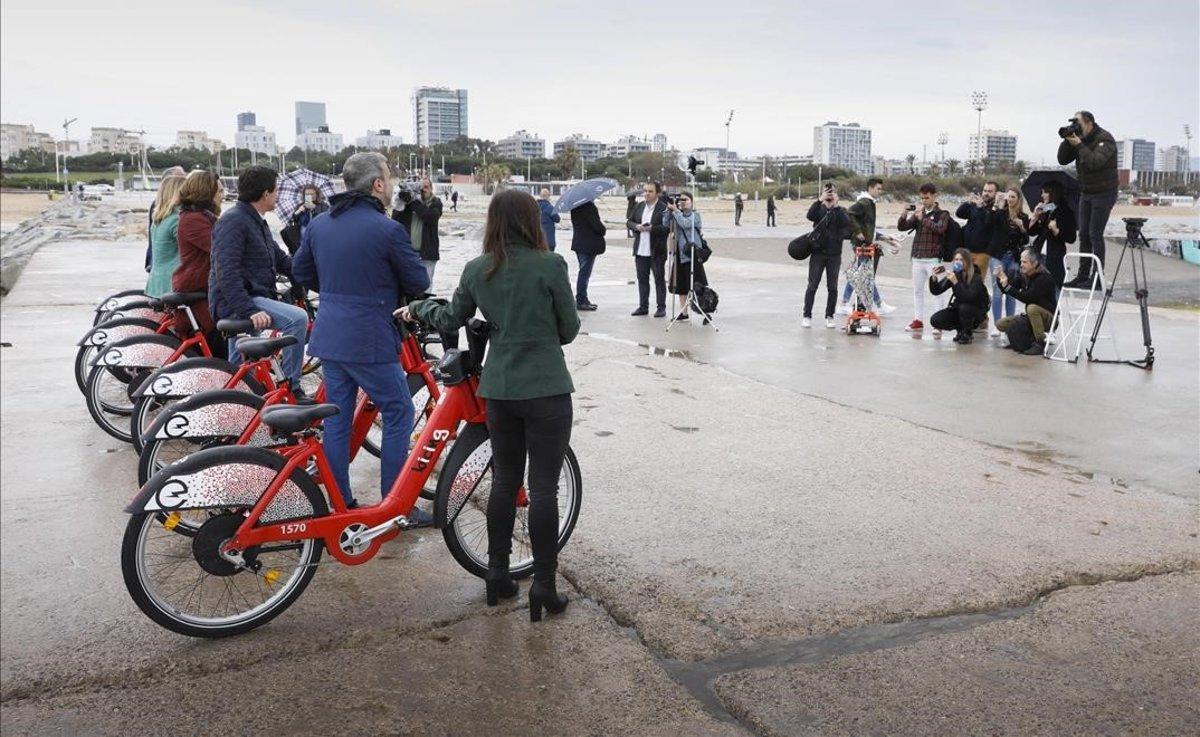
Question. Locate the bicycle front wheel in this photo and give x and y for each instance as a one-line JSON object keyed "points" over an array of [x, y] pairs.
{"points": [[464, 489]]}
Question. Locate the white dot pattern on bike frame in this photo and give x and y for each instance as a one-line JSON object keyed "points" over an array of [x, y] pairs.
{"points": [[139, 355], [188, 381], [231, 485], [103, 335], [145, 312], [468, 477], [221, 420]]}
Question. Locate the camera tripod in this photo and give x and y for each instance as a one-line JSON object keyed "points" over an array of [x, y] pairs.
{"points": [[1136, 241], [693, 304]]}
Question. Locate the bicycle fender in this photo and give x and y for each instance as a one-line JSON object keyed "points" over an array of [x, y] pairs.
{"points": [[218, 413], [222, 477], [113, 301], [138, 351], [188, 376], [118, 329]]}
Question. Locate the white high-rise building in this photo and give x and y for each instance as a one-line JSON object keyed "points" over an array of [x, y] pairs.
{"points": [[256, 138], [626, 145], [198, 140], [378, 140], [994, 146], [439, 115], [521, 145], [320, 139], [1136, 154], [17, 138], [588, 149], [658, 144], [1175, 159], [113, 141], [845, 146]]}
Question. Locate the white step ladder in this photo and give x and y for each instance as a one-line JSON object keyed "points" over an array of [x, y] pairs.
{"points": [[1075, 315]]}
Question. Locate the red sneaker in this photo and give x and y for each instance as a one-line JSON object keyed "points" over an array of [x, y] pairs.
{"points": [[914, 326]]}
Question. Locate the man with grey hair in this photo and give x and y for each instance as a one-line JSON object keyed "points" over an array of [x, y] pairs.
{"points": [[363, 265], [549, 217]]}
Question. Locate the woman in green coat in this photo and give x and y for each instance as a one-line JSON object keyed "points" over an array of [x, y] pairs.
{"points": [[522, 289], [164, 237]]}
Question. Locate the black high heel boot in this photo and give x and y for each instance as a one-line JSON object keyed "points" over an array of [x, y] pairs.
{"points": [[545, 595], [499, 583]]}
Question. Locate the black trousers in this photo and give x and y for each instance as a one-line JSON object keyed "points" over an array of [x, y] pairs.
{"points": [[538, 429], [828, 264], [960, 318], [1054, 262], [1094, 210], [657, 265], [771, 219]]}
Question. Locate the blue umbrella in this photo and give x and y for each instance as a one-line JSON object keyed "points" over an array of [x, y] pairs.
{"points": [[586, 191]]}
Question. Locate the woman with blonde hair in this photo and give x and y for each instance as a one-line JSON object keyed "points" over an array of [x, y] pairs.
{"points": [[164, 231], [1006, 253], [174, 171]]}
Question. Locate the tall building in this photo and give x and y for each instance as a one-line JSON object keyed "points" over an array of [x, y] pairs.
{"points": [[521, 145], [113, 141], [246, 119], [320, 139], [378, 140], [198, 140], [845, 146], [439, 115], [626, 145], [588, 149], [993, 146], [1136, 154], [1175, 159], [309, 116], [658, 144], [17, 138], [258, 139]]}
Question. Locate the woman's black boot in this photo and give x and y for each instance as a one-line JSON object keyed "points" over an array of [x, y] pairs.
{"points": [[499, 583], [545, 595]]}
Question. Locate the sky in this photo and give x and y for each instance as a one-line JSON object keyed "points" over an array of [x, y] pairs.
{"points": [[905, 70]]}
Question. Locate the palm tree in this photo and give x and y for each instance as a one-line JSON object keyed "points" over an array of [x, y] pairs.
{"points": [[1020, 168], [952, 166], [911, 158]]}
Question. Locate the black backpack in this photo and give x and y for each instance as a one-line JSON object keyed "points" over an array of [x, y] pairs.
{"points": [[706, 298], [952, 240], [1020, 334]]}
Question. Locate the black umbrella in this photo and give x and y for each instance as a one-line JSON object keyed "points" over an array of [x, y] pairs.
{"points": [[586, 191], [1032, 187]]}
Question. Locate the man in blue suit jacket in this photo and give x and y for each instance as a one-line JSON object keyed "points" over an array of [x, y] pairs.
{"points": [[363, 264]]}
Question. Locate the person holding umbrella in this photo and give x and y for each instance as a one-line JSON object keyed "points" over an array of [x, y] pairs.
{"points": [[312, 203], [650, 249]]}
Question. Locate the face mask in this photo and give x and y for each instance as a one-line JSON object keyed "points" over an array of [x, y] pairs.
{"points": [[958, 267]]}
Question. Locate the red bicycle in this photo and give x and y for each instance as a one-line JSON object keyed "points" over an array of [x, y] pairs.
{"points": [[229, 416], [255, 523], [129, 318]]}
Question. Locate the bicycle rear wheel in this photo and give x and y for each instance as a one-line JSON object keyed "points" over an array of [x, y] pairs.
{"points": [[463, 491]]}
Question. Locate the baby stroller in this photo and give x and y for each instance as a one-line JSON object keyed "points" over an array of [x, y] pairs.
{"points": [[861, 276]]}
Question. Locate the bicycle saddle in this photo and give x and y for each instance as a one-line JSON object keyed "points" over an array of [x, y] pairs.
{"points": [[254, 349], [285, 419], [179, 299], [232, 326]]}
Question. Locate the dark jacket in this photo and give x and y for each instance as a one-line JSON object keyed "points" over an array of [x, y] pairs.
{"points": [[862, 221], [430, 246], [531, 309], [1010, 238], [149, 237], [630, 204], [931, 230], [588, 231], [983, 226], [363, 264], [974, 294], [1037, 289], [835, 230], [549, 218], [770, 204], [1039, 229], [658, 230], [245, 260], [1095, 161]]}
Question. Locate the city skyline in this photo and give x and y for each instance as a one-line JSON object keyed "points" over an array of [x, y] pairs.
{"points": [[908, 73]]}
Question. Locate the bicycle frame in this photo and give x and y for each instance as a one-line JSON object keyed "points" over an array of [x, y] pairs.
{"points": [[374, 525]]}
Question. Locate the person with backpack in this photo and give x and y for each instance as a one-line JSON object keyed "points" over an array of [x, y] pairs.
{"points": [[1034, 286], [930, 223], [832, 223]]}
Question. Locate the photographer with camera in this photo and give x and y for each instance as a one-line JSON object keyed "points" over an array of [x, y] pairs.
{"points": [[1033, 286], [831, 220], [1094, 153], [968, 300], [930, 223], [983, 220], [420, 216], [688, 236], [1053, 227], [1010, 240]]}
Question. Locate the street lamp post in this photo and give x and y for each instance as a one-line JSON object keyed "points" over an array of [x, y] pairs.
{"points": [[942, 140], [727, 122], [66, 150], [979, 103], [1187, 153]]}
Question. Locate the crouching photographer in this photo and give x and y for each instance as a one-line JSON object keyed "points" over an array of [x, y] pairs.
{"points": [[1034, 286], [969, 297], [1094, 153]]}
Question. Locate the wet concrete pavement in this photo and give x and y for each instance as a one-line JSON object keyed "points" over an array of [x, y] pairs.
{"points": [[732, 517]]}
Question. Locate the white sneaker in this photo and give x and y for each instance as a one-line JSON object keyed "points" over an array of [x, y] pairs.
{"points": [[937, 333], [844, 308], [806, 323], [886, 308], [829, 324], [1050, 339]]}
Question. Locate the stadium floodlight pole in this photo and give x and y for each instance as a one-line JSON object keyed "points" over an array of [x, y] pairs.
{"points": [[979, 103], [66, 150], [942, 140], [1187, 154]]}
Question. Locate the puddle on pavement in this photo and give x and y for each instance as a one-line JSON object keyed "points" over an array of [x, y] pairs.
{"points": [[651, 350]]}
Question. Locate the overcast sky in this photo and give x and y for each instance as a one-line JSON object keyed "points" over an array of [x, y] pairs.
{"points": [[906, 70]]}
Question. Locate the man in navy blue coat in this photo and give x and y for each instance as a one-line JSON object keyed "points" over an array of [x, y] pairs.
{"points": [[549, 217], [362, 264]]}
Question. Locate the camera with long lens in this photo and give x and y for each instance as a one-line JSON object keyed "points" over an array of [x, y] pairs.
{"points": [[1072, 128], [409, 190]]}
